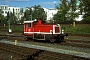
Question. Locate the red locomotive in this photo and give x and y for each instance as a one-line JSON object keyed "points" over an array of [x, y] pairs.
{"points": [[39, 30]]}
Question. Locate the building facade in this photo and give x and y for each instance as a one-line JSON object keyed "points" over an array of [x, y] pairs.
{"points": [[6, 8]]}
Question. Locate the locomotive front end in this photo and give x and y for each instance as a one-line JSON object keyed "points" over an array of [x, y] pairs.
{"points": [[57, 34]]}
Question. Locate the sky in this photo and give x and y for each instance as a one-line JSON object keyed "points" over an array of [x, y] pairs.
{"points": [[29, 3]]}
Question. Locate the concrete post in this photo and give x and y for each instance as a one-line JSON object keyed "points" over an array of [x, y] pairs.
{"points": [[74, 24], [15, 42]]}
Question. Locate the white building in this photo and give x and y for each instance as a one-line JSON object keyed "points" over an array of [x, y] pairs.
{"points": [[50, 12], [6, 8]]}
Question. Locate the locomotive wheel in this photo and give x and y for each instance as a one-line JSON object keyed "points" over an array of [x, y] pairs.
{"points": [[52, 40], [26, 38]]}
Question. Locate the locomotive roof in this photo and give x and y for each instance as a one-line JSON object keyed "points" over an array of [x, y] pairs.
{"points": [[28, 21]]}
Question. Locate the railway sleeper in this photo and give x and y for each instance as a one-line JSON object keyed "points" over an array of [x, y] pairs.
{"points": [[24, 54], [15, 52], [2, 38], [31, 57]]}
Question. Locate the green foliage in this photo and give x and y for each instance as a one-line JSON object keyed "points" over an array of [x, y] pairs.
{"points": [[86, 20], [63, 8], [22, 20], [4, 28], [85, 7], [12, 18], [35, 12], [17, 28], [39, 13], [27, 15], [2, 18], [66, 11]]}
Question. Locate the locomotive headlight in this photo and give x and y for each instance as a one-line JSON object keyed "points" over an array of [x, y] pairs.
{"points": [[62, 31]]}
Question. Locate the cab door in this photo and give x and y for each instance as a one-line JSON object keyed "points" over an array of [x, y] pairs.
{"points": [[27, 27]]}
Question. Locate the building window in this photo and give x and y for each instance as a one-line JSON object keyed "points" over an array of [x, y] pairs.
{"points": [[2, 7], [2, 12], [5, 7], [5, 11]]}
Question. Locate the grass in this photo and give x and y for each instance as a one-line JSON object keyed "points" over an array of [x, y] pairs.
{"points": [[14, 28], [78, 29], [17, 28]]}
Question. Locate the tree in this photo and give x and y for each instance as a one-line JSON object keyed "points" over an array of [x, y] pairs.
{"points": [[66, 11], [2, 18], [72, 10], [0, 15], [22, 20], [38, 13], [27, 14], [35, 12], [85, 6], [12, 18], [63, 8]]}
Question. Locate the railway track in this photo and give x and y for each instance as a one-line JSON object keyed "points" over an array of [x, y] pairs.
{"points": [[34, 54], [75, 43], [26, 53], [57, 56]]}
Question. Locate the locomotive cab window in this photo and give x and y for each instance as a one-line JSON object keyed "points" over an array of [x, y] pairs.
{"points": [[29, 25], [57, 30]]}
